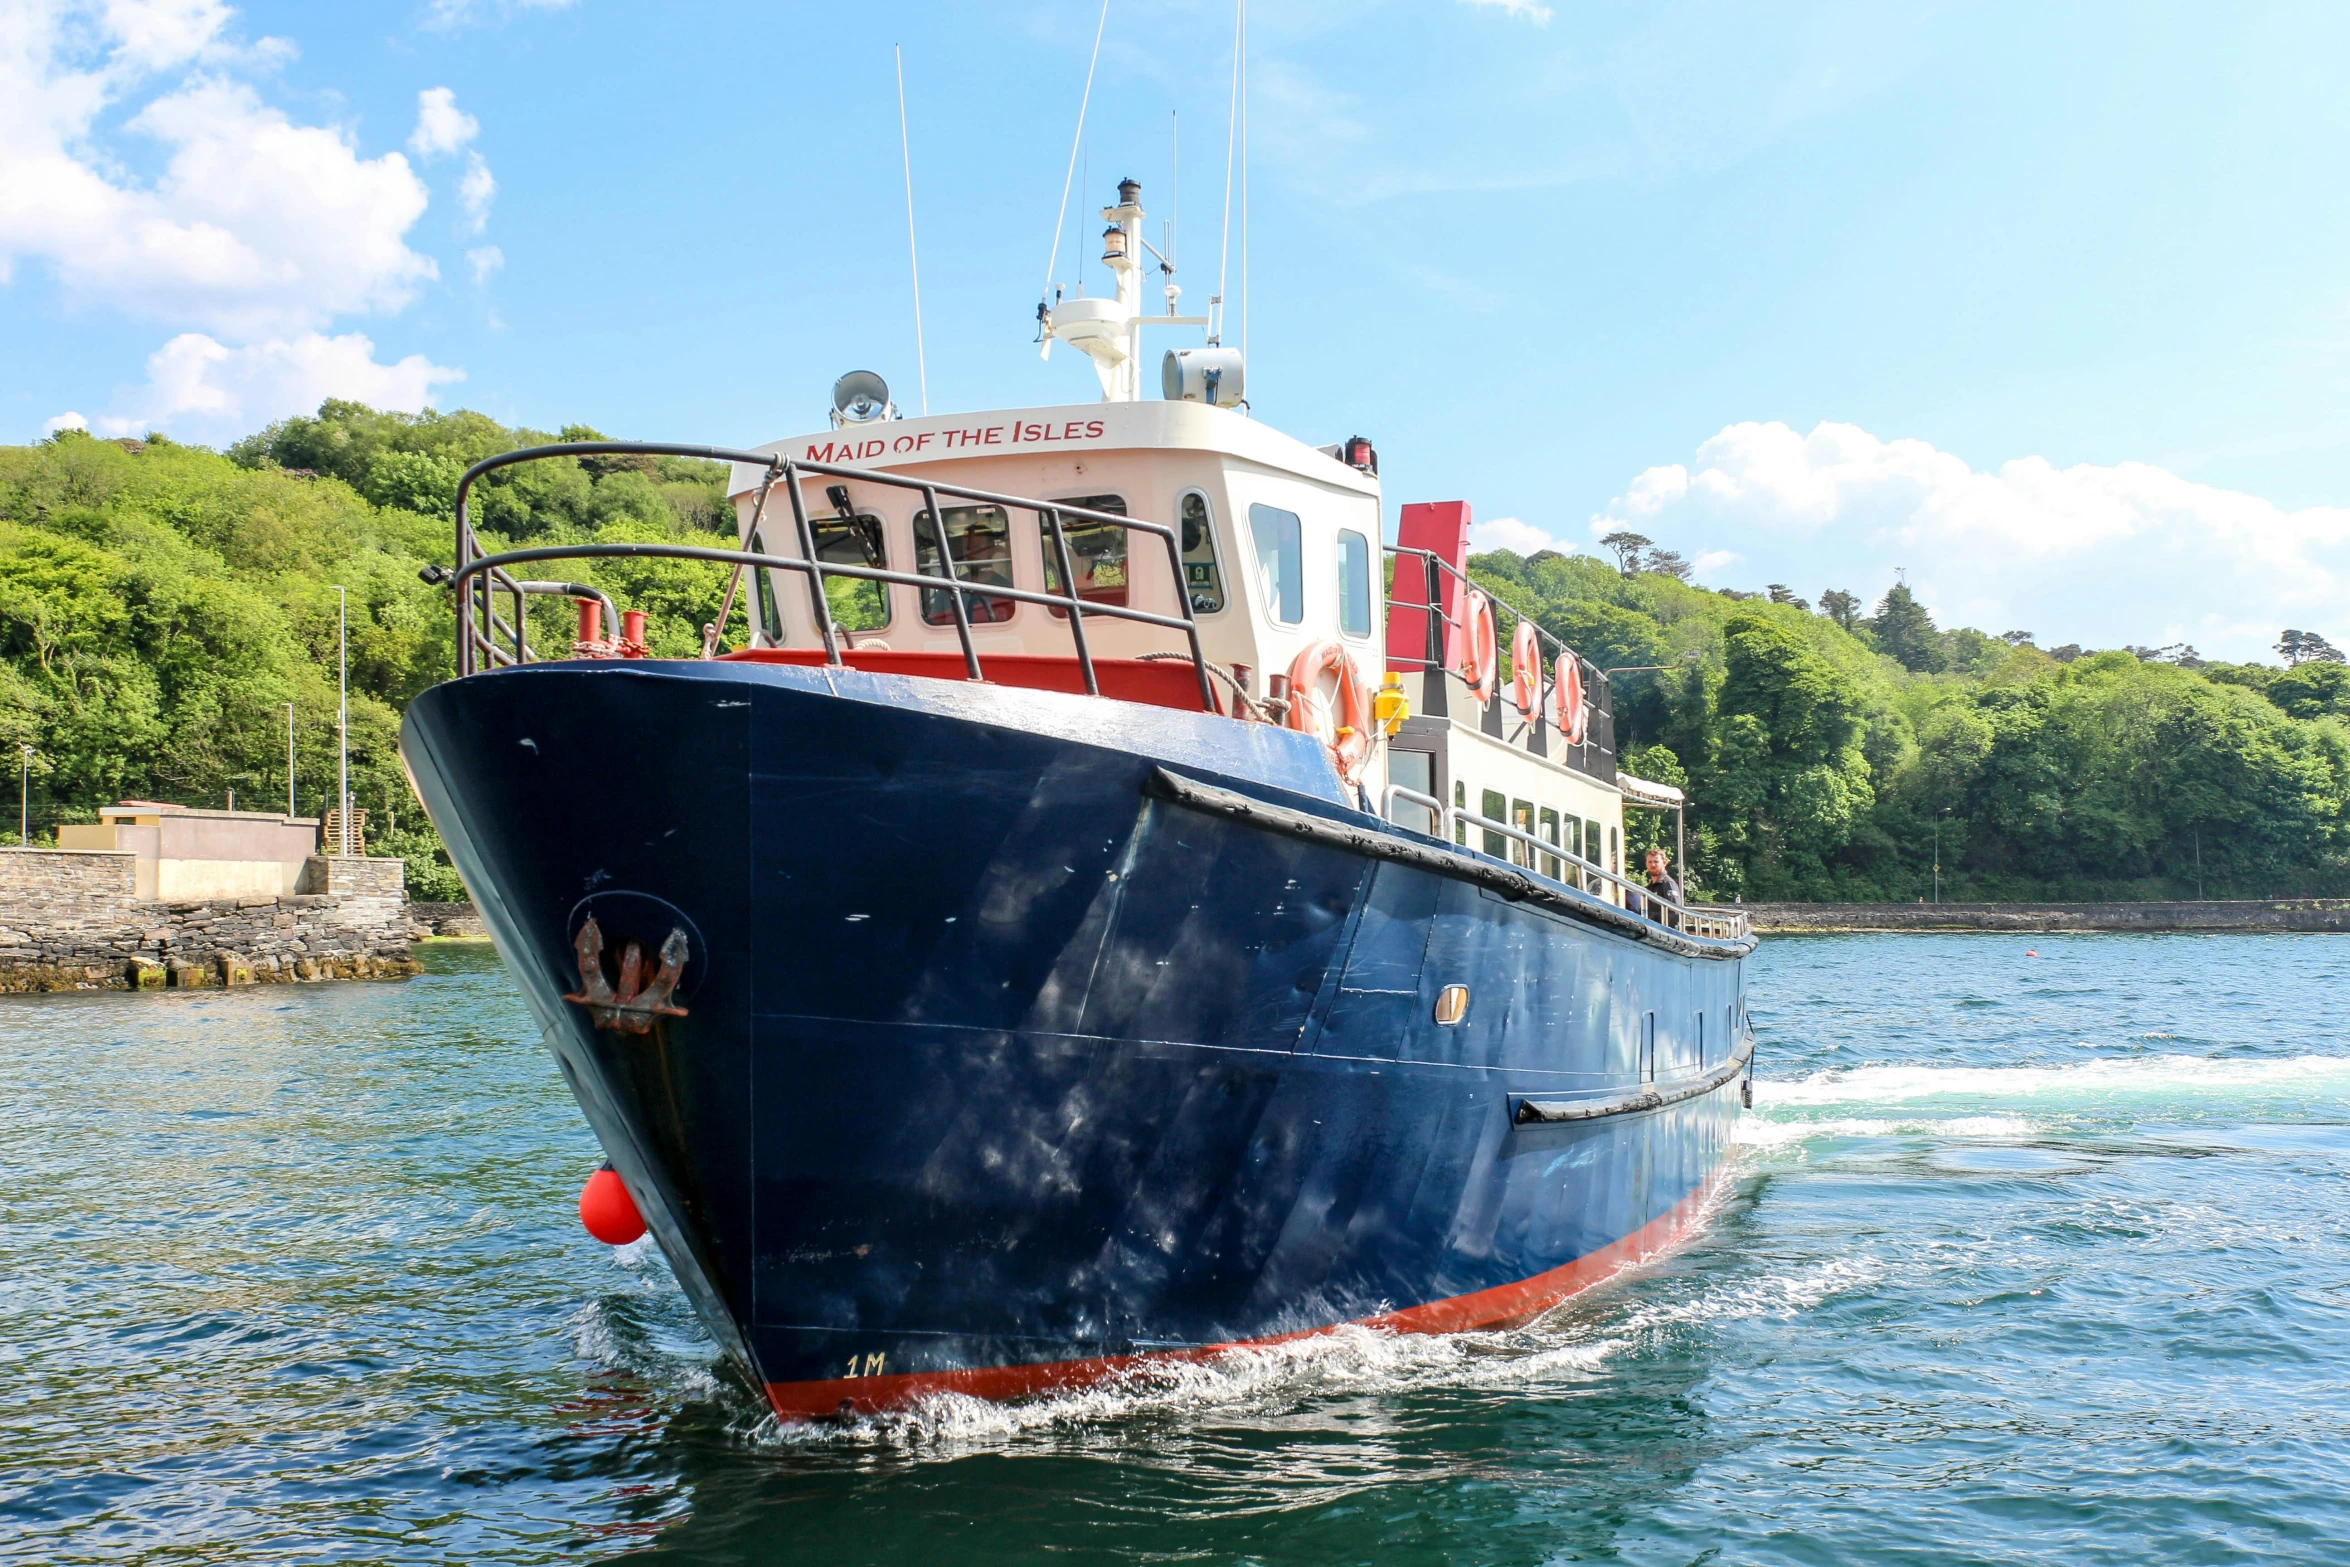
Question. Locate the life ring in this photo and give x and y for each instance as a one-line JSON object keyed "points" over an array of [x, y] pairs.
{"points": [[1482, 661], [1566, 699], [1348, 733], [1526, 670]]}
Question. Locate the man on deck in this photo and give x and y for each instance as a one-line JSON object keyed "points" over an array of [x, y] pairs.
{"points": [[1663, 889]]}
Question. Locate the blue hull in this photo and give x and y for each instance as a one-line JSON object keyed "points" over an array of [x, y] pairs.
{"points": [[998, 1067]]}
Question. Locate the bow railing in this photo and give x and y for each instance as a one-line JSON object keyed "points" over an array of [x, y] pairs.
{"points": [[487, 639]]}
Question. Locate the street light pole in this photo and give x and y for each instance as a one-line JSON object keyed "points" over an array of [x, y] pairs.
{"points": [[289, 761], [343, 718], [24, 801]]}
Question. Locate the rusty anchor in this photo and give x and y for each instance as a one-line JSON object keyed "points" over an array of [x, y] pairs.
{"points": [[632, 1008]]}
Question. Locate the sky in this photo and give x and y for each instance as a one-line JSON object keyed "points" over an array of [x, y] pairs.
{"points": [[2043, 309]]}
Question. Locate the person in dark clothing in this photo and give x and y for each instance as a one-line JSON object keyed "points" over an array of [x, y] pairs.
{"points": [[1662, 885]]}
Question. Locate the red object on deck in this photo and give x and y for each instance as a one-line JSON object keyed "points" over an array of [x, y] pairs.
{"points": [[608, 1211], [632, 634], [1157, 683], [1443, 527], [591, 621]]}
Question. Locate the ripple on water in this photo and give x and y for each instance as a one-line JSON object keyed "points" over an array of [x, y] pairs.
{"points": [[2014, 1258]]}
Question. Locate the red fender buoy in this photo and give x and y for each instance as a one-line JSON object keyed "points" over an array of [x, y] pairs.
{"points": [[608, 1211]]}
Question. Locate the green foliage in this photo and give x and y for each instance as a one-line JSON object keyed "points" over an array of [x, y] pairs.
{"points": [[1825, 754], [161, 605]]}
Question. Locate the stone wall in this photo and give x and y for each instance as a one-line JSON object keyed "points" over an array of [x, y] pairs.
{"points": [[447, 919], [2215, 915], [69, 921]]}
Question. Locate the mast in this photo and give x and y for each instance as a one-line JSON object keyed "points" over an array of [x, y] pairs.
{"points": [[1108, 331]]}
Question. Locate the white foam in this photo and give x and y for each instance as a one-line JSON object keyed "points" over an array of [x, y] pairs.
{"points": [[1757, 1131], [2132, 1076]]}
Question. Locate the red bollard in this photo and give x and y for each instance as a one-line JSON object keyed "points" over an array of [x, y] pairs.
{"points": [[591, 621], [632, 633]]}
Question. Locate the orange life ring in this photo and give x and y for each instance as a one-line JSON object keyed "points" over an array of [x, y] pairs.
{"points": [[1348, 733], [1566, 699], [1482, 661], [1526, 670]]}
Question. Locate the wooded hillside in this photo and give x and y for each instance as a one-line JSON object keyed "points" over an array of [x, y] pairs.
{"points": [[160, 605]]}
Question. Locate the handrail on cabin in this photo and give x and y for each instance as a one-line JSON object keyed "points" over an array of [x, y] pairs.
{"points": [[1693, 919], [480, 575]]}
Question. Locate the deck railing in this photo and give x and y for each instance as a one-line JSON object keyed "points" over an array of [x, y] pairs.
{"points": [[1696, 919], [482, 633]]}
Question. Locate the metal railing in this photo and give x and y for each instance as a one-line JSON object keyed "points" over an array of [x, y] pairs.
{"points": [[480, 577], [1696, 919], [1433, 568]]}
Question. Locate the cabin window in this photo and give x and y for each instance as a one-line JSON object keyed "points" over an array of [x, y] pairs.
{"points": [[1097, 553], [853, 541], [1416, 771], [1354, 584], [1460, 802], [1522, 818], [1591, 844], [1496, 808], [1203, 574], [1615, 852], [1550, 834], [770, 617], [1281, 561], [979, 538]]}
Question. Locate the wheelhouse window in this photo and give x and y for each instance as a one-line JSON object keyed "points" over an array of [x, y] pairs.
{"points": [[1281, 561], [979, 540], [1354, 584], [853, 541], [1097, 552], [1203, 573]]}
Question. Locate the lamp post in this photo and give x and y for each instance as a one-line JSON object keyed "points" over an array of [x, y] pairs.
{"points": [[343, 718], [24, 800], [1938, 853], [289, 761]]}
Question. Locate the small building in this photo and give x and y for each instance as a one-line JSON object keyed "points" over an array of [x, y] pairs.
{"points": [[186, 852]]}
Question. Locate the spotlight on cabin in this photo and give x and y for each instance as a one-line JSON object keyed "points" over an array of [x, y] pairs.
{"points": [[1215, 376], [860, 397]]}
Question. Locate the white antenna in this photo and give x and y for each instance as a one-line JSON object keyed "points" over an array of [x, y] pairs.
{"points": [[1240, 73], [1075, 142], [1231, 141], [913, 261]]}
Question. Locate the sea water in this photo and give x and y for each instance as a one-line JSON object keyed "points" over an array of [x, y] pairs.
{"points": [[2033, 1250]]}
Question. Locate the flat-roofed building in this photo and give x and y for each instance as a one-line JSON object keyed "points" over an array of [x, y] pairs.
{"points": [[185, 853]]}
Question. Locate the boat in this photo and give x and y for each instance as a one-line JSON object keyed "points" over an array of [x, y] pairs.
{"points": [[1103, 905]]}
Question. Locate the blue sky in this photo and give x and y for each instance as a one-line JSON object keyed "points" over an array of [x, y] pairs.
{"points": [[2045, 306]]}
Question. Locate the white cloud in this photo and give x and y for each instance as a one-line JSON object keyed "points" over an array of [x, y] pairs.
{"points": [[475, 190], [440, 125], [64, 421], [1709, 564], [1538, 14], [1511, 533], [449, 15], [206, 390], [256, 224], [485, 262], [2103, 555]]}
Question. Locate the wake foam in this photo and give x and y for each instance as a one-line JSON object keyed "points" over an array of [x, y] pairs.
{"points": [[2085, 1082]]}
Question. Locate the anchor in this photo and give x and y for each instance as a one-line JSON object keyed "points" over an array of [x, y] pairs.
{"points": [[632, 1008]]}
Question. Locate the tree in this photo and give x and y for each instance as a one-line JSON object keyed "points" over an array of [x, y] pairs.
{"points": [[1906, 631], [1841, 607], [1666, 563], [1626, 546], [2016, 638], [2301, 647], [1780, 593]]}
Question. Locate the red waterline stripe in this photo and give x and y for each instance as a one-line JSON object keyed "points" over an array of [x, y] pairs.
{"points": [[1502, 1306]]}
